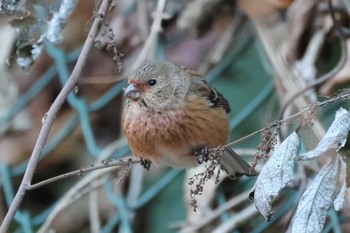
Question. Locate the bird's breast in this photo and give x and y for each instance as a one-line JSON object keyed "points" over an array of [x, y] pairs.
{"points": [[170, 136], [147, 131], [149, 125]]}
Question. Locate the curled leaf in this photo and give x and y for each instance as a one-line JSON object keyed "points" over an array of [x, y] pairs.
{"points": [[317, 199], [334, 137], [275, 175], [27, 55]]}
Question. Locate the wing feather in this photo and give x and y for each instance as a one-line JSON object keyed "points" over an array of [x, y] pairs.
{"points": [[199, 85]]}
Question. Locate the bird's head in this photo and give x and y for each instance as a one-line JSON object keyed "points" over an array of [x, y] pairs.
{"points": [[158, 86]]}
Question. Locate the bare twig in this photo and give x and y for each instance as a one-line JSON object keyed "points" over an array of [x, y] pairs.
{"points": [[134, 189], [278, 43], [238, 218], [299, 18], [94, 212], [51, 115], [320, 80], [144, 55], [194, 226], [343, 32], [80, 172], [341, 97], [143, 23], [149, 47], [89, 183], [222, 45], [326, 76]]}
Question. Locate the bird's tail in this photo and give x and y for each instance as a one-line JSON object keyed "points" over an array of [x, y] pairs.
{"points": [[234, 165]]}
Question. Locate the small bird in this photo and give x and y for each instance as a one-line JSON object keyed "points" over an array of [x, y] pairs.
{"points": [[172, 116]]}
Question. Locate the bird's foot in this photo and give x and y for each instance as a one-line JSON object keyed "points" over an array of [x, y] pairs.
{"points": [[202, 154], [146, 163]]}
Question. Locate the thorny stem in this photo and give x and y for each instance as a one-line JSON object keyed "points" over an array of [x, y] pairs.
{"points": [[51, 115]]}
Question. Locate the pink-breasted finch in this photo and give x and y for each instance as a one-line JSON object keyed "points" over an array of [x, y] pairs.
{"points": [[171, 116]]}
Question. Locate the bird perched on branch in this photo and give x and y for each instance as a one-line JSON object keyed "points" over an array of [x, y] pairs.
{"points": [[172, 116]]}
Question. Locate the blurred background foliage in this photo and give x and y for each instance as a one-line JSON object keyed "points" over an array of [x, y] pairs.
{"points": [[247, 50]]}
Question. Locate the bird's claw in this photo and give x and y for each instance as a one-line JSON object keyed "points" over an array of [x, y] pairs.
{"points": [[146, 163], [202, 154]]}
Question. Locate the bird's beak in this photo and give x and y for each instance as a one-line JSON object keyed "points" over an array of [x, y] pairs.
{"points": [[132, 92]]}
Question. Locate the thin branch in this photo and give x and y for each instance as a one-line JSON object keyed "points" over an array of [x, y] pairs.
{"points": [[94, 212], [343, 32], [320, 80], [135, 189], [80, 172], [343, 96], [88, 183], [278, 44], [221, 46], [92, 181], [51, 116], [210, 216], [149, 47], [237, 219]]}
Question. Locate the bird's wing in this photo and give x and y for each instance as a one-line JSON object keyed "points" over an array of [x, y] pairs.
{"points": [[199, 85]]}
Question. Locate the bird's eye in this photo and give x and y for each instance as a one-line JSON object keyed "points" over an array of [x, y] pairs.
{"points": [[152, 82]]}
